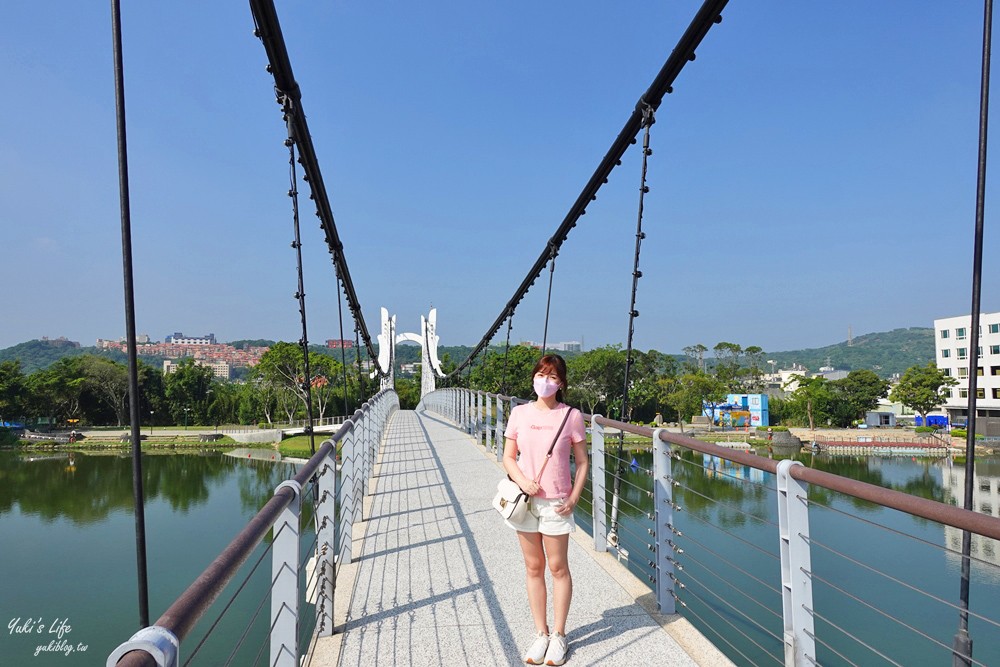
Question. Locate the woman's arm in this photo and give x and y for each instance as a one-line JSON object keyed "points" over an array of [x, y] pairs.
{"points": [[580, 480], [529, 486]]}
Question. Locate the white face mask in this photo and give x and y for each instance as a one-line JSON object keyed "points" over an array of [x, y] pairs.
{"points": [[545, 387]]}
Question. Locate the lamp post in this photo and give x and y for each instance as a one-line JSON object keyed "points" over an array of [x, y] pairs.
{"points": [[151, 412], [186, 411]]}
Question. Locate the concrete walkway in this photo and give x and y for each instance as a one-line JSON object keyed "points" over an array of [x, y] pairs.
{"points": [[440, 579]]}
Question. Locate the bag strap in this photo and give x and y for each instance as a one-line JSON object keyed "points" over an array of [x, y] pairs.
{"points": [[548, 455]]}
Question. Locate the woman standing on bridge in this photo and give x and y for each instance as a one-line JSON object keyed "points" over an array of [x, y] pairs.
{"points": [[544, 532]]}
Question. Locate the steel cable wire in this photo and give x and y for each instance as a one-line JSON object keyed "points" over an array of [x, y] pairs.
{"points": [[730, 564], [719, 503], [270, 631], [733, 586], [748, 482], [901, 533], [731, 625], [708, 626], [253, 618], [814, 660], [229, 604], [851, 636], [813, 575], [734, 608], [734, 536], [899, 581]]}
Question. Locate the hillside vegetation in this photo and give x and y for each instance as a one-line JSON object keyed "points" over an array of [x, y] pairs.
{"points": [[885, 353]]}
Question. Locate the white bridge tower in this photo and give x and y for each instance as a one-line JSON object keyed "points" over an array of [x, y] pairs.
{"points": [[430, 366]]}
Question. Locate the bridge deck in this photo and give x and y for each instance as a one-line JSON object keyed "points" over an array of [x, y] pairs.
{"points": [[440, 578]]}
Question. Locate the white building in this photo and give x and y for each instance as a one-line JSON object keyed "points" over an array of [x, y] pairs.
{"points": [[985, 500], [177, 338], [953, 355], [220, 369]]}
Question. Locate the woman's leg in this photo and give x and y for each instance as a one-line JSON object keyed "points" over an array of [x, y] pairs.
{"points": [[556, 549], [534, 565]]}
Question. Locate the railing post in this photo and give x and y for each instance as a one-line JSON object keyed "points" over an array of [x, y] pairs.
{"points": [[347, 472], [326, 542], [598, 484], [501, 441], [358, 448], [488, 422], [796, 567], [663, 527], [285, 582], [479, 418]]}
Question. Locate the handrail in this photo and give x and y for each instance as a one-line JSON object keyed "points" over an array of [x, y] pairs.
{"points": [[185, 612], [932, 510]]}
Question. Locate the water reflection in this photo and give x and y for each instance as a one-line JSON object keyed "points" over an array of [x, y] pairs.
{"points": [[730, 537], [88, 488], [68, 530]]}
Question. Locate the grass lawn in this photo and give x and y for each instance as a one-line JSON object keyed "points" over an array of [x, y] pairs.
{"points": [[298, 445]]}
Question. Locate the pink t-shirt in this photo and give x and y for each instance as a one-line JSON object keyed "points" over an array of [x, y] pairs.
{"points": [[534, 429]]}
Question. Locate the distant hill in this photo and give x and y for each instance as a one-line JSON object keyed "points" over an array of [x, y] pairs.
{"points": [[38, 354], [885, 353]]}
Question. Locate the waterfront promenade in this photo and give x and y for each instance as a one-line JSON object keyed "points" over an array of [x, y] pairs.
{"points": [[438, 578]]}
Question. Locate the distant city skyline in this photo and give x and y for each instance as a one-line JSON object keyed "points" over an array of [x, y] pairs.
{"points": [[812, 171], [145, 339]]}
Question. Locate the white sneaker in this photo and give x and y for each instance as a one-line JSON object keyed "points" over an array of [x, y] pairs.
{"points": [[555, 654], [537, 650]]}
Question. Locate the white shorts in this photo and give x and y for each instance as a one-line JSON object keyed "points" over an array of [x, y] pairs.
{"points": [[542, 518]]}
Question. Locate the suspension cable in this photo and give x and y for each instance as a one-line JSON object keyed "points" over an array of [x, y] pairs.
{"points": [[268, 30], [709, 14], [548, 300], [357, 355], [506, 351], [300, 295], [343, 351], [648, 119]]}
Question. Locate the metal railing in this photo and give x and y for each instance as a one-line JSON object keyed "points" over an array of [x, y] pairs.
{"points": [[745, 566], [336, 505]]}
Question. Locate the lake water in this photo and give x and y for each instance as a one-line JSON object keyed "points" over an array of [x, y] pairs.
{"points": [[67, 530], [68, 554], [730, 537]]}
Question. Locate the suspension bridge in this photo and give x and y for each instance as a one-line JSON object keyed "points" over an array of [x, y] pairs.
{"points": [[397, 558]]}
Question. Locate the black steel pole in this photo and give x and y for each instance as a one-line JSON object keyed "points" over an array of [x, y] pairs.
{"points": [[133, 368], [962, 647]]}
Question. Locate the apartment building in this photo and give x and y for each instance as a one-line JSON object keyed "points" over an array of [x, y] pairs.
{"points": [[952, 344]]}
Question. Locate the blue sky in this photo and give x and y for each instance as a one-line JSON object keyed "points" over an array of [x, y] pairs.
{"points": [[813, 170]]}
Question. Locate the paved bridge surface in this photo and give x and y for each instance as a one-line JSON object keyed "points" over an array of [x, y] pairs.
{"points": [[437, 578]]}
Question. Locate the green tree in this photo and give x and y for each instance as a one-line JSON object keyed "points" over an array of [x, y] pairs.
{"points": [[187, 392], [597, 378], [692, 391], [862, 390], [13, 390], [514, 372], [57, 390], [922, 388], [282, 367], [107, 381], [694, 361], [815, 398]]}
